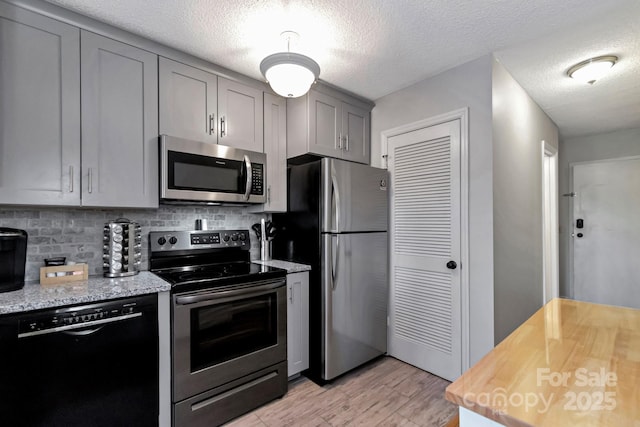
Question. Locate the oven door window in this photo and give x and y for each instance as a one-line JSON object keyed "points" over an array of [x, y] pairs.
{"points": [[229, 330], [202, 173]]}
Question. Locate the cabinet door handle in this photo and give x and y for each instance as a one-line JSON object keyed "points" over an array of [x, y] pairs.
{"points": [[346, 145], [90, 180], [212, 122], [340, 142], [291, 294], [223, 126], [71, 179], [269, 194]]}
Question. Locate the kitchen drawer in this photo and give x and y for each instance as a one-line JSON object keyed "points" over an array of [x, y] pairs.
{"points": [[230, 399]]}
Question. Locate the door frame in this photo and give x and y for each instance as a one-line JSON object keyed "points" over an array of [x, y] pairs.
{"points": [[570, 216], [550, 152], [462, 115]]}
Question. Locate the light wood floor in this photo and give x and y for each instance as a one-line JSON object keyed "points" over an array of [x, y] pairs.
{"points": [[386, 392]]}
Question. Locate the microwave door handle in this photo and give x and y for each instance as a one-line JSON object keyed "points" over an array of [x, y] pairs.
{"points": [[247, 165]]}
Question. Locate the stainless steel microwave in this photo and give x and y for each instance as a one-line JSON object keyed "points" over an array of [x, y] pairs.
{"points": [[198, 172]]}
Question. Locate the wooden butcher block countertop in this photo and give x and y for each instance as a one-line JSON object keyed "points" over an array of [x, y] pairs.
{"points": [[571, 364]]}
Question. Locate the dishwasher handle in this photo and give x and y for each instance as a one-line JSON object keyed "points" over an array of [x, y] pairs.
{"points": [[80, 326]]}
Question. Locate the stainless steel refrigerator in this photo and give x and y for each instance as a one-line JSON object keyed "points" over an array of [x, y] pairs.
{"points": [[337, 222]]}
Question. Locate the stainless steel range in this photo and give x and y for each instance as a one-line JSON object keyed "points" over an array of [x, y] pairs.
{"points": [[229, 325]]}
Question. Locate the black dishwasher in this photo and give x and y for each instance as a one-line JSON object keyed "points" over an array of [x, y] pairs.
{"points": [[87, 365]]}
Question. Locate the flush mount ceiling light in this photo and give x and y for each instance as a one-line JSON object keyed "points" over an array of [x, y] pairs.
{"points": [[289, 74], [592, 69]]}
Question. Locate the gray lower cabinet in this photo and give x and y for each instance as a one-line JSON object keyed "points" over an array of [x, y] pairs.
{"points": [[326, 125], [297, 322], [275, 147], [188, 101], [119, 124], [39, 109]]}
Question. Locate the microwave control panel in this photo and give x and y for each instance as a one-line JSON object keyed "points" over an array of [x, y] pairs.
{"points": [[257, 179]]}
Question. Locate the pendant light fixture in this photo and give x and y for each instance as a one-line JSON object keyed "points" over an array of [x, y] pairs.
{"points": [[289, 74], [592, 69]]}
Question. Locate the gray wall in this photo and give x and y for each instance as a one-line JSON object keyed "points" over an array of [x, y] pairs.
{"points": [[468, 85], [77, 233], [519, 126], [622, 143]]}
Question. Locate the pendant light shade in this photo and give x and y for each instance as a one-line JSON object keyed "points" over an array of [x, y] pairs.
{"points": [[289, 74]]}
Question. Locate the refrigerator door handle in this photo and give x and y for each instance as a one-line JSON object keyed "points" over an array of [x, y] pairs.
{"points": [[336, 264]]}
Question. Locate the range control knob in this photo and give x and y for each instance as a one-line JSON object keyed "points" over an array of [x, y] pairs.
{"points": [[234, 237], [243, 237], [225, 238], [162, 241], [173, 240]]}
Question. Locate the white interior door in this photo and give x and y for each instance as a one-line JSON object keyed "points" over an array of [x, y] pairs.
{"points": [[606, 249], [425, 306]]}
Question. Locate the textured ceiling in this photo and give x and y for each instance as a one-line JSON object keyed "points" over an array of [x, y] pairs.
{"points": [[613, 102], [375, 47]]}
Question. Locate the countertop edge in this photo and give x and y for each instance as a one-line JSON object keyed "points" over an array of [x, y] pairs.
{"points": [[291, 267], [559, 318], [485, 411], [34, 297]]}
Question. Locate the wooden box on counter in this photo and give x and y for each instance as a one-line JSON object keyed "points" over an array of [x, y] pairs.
{"points": [[73, 273]]}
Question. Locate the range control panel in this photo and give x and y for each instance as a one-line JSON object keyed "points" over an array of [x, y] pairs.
{"points": [[202, 239]]}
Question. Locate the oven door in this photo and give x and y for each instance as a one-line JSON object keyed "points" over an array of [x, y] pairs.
{"points": [[200, 172], [221, 336]]}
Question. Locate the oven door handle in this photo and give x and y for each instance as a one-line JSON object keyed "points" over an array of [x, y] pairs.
{"points": [[210, 296]]}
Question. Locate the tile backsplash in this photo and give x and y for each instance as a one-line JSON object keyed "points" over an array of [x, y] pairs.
{"points": [[77, 233]]}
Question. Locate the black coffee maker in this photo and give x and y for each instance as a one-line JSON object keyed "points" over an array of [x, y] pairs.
{"points": [[13, 256]]}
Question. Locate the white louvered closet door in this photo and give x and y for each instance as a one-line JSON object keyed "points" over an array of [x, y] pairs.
{"points": [[424, 328]]}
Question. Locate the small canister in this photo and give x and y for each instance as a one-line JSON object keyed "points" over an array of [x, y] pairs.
{"points": [[122, 250], [265, 250]]}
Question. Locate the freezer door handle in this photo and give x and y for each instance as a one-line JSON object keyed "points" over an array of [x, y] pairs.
{"points": [[335, 194]]}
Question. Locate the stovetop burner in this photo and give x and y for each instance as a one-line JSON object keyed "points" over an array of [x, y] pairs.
{"points": [[192, 260]]}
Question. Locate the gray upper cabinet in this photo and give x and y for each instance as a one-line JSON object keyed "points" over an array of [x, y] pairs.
{"points": [[240, 116], [188, 101], [119, 124], [275, 147], [333, 126], [324, 124], [39, 109], [201, 106], [355, 130]]}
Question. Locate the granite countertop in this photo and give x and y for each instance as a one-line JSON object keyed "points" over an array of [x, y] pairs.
{"points": [[571, 364], [36, 296], [291, 267]]}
